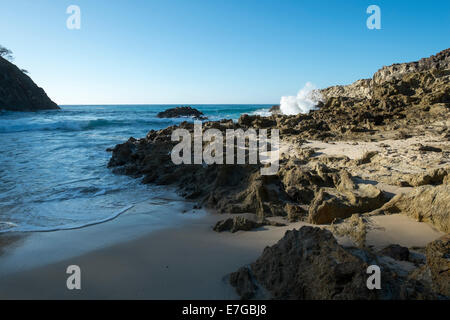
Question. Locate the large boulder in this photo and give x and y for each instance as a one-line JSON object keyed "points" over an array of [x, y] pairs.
{"points": [[309, 264], [344, 201], [19, 93], [425, 204]]}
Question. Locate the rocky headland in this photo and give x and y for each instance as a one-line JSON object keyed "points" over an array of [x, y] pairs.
{"points": [[19, 93], [379, 146]]}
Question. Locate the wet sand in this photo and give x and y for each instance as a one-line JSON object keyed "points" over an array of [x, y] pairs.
{"points": [[189, 261]]}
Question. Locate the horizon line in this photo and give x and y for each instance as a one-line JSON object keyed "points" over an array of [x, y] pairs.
{"points": [[167, 104]]}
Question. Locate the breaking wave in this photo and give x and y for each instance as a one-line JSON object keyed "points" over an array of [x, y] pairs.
{"points": [[7, 126], [305, 101], [12, 227]]}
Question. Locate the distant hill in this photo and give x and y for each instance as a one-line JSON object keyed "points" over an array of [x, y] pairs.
{"points": [[19, 93]]}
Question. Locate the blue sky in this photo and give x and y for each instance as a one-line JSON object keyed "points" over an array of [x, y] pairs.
{"points": [[212, 51]]}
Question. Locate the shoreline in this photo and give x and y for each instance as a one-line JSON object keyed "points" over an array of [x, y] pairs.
{"points": [[187, 261], [20, 251], [164, 248]]}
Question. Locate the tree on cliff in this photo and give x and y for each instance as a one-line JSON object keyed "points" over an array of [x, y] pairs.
{"points": [[6, 53]]}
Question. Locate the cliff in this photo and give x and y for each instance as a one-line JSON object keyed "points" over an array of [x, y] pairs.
{"points": [[19, 93]]}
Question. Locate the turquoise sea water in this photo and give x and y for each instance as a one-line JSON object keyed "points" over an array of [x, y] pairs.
{"points": [[53, 164]]}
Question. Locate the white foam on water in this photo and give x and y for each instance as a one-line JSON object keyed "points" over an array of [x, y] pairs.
{"points": [[26, 229], [305, 100]]}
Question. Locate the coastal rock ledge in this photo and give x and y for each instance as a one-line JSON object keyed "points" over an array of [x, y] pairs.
{"points": [[19, 93]]}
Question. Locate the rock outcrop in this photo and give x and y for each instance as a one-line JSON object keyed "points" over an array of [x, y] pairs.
{"points": [[361, 89], [275, 109], [433, 177], [438, 262], [425, 204], [309, 264], [19, 93], [236, 224], [400, 94], [365, 88], [439, 61], [330, 204], [308, 186], [179, 112], [242, 224]]}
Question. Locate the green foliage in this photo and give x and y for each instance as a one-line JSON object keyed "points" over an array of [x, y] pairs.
{"points": [[6, 53]]}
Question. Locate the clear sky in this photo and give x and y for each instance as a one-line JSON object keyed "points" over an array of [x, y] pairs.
{"points": [[212, 51]]}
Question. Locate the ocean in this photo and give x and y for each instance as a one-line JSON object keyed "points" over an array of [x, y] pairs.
{"points": [[53, 164]]}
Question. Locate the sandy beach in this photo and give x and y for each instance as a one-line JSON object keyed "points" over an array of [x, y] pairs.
{"points": [[184, 262]]}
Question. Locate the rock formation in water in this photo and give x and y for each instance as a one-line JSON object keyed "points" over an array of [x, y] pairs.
{"points": [[275, 109], [179, 112], [19, 93]]}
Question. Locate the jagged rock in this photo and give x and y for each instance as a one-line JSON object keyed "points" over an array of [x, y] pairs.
{"points": [[182, 112], [236, 224], [401, 93], [348, 199], [425, 204], [301, 184], [309, 264], [364, 89], [354, 227], [123, 153], [397, 71], [243, 282], [367, 157], [256, 121], [242, 224], [396, 252], [438, 261], [19, 93], [360, 89], [295, 212], [434, 176], [275, 109]]}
